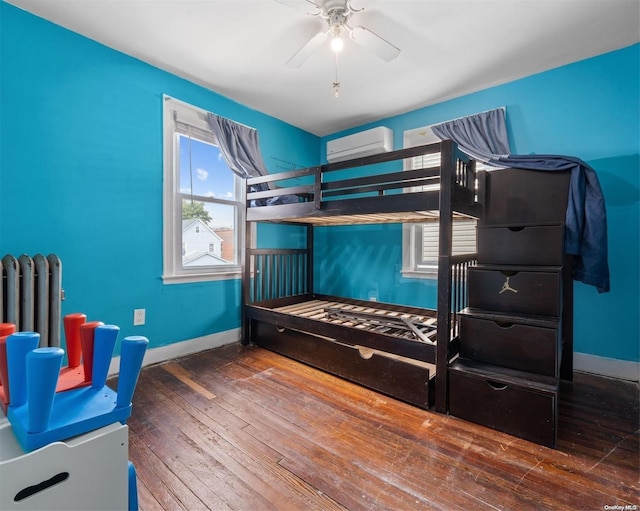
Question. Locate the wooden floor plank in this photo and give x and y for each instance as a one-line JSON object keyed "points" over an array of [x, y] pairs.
{"points": [[243, 428], [163, 484], [182, 375], [146, 500], [193, 452], [249, 461]]}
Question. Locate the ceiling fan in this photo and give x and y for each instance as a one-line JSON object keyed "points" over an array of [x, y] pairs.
{"points": [[337, 14]]}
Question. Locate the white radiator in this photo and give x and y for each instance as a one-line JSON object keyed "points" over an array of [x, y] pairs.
{"points": [[32, 294]]}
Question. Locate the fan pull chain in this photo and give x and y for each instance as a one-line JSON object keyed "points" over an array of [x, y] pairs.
{"points": [[336, 83]]}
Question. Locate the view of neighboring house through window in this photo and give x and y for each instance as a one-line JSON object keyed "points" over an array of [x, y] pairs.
{"points": [[203, 210]]}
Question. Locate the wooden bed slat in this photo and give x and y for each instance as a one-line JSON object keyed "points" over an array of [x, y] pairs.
{"points": [[407, 326]]}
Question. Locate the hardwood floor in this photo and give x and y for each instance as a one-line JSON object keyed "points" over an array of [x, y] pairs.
{"points": [[243, 428]]}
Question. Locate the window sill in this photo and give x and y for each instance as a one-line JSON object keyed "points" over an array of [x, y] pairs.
{"points": [[420, 274], [200, 277]]}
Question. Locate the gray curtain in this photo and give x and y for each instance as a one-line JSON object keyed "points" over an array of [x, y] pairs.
{"points": [[482, 136], [485, 137], [239, 146]]}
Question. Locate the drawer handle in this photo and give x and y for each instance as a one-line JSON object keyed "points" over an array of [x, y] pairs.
{"points": [[504, 324], [516, 229], [495, 385], [365, 353], [40, 487], [280, 329]]}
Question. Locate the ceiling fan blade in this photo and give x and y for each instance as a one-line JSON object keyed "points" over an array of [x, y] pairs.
{"points": [[301, 5], [309, 48], [370, 41]]}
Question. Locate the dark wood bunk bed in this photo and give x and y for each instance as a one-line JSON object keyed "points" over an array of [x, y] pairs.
{"points": [[401, 351]]}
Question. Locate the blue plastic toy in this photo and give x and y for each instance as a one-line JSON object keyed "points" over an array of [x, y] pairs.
{"points": [[39, 415]]}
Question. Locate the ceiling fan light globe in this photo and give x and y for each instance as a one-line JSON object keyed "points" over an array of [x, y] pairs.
{"points": [[337, 44]]}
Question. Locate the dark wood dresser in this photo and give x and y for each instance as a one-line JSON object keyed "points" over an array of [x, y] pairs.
{"points": [[516, 336]]}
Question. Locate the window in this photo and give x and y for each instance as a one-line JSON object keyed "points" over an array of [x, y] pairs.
{"points": [[420, 241], [424, 243], [203, 200]]}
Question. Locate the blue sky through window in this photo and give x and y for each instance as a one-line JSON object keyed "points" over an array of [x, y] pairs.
{"points": [[204, 172]]}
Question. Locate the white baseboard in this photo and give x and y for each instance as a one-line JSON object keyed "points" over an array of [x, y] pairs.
{"points": [[610, 367], [180, 349]]}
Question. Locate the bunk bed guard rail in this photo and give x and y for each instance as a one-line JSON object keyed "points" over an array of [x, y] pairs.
{"points": [[278, 273], [321, 186]]}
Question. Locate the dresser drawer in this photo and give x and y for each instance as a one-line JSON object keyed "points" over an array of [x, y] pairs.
{"points": [[525, 197], [524, 409], [506, 342], [522, 245], [409, 380], [525, 291]]}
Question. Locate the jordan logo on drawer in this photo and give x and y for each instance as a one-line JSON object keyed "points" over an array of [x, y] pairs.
{"points": [[507, 287]]}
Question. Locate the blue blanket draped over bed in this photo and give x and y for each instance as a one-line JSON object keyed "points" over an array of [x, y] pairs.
{"points": [[586, 218]]}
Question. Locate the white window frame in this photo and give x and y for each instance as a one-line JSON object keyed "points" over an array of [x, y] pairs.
{"points": [[412, 233], [173, 272]]}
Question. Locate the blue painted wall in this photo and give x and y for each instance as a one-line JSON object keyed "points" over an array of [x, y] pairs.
{"points": [[589, 109], [81, 176]]}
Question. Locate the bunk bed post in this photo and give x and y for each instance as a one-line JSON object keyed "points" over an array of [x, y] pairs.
{"points": [[447, 179], [309, 255], [317, 187], [481, 197], [245, 334]]}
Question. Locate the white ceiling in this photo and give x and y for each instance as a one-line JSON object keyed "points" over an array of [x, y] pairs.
{"points": [[449, 48]]}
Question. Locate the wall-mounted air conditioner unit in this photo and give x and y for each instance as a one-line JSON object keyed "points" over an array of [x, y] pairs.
{"points": [[373, 141]]}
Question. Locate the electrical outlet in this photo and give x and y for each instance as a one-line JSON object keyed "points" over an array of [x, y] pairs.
{"points": [[138, 317]]}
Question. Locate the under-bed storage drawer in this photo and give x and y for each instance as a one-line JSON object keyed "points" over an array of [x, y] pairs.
{"points": [[399, 377], [522, 245], [521, 408], [508, 341], [534, 290]]}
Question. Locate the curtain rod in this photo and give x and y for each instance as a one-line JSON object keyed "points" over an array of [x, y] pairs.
{"points": [[503, 108], [169, 98]]}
